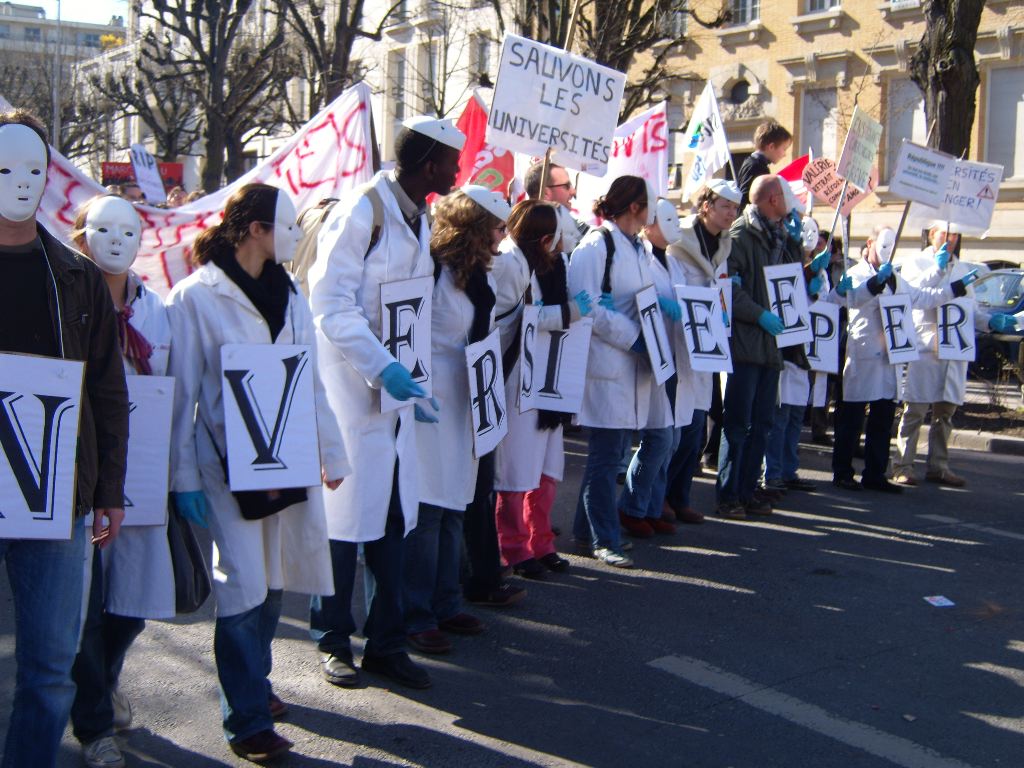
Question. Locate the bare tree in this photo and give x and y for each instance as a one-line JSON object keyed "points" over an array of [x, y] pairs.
{"points": [[943, 68]]}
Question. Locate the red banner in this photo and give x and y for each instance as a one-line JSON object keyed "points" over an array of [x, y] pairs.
{"points": [[171, 174]]}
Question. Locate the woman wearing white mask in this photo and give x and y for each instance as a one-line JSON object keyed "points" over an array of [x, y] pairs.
{"points": [[241, 294], [132, 579]]}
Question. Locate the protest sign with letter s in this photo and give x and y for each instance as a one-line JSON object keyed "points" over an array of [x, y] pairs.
{"points": [[487, 393], [954, 332], [150, 404], [898, 329], [40, 405], [787, 300], [552, 364], [405, 310], [654, 334]]}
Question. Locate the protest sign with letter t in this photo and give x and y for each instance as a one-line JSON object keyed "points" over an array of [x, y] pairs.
{"points": [[652, 326]]}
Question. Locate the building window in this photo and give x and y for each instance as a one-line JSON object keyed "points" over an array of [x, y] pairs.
{"points": [[33, 34], [398, 75], [740, 92], [482, 55], [817, 6], [673, 21], [818, 123], [428, 72], [90, 40], [5, 31], [904, 119], [1005, 144], [745, 11]]}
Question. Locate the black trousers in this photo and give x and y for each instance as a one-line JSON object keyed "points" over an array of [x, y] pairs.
{"points": [[482, 564], [877, 433]]}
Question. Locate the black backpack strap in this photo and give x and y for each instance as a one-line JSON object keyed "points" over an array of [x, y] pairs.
{"points": [[438, 266], [609, 245]]}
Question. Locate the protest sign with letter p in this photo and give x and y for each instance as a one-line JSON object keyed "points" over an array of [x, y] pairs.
{"points": [[823, 348]]}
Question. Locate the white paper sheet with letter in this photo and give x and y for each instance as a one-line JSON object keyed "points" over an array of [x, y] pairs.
{"points": [[898, 330], [823, 349], [955, 330], [787, 298], [552, 364], [405, 307], [655, 336], [703, 333], [487, 393], [150, 403]]}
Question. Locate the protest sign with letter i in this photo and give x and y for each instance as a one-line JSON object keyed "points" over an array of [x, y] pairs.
{"points": [[787, 300], [40, 404], [150, 403], [405, 331], [552, 364], [487, 393], [654, 334]]}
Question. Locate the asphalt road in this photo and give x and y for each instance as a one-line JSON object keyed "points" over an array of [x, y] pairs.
{"points": [[804, 640]]}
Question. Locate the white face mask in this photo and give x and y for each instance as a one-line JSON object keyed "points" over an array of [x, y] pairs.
{"points": [[667, 218], [287, 233], [112, 231], [22, 172], [809, 234], [884, 244]]}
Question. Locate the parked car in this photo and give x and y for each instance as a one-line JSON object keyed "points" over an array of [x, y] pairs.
{"points": [[1001, 290]]}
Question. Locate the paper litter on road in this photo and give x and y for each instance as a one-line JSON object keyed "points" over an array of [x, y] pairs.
{"points": [[939, 601]]}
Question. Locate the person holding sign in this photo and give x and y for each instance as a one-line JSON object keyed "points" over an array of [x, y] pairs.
{"points": [[132, 580], [759, 240], [698, 258], [241, 294], [611, 262], [377, 234], [869, 380], [54, 303], [931, 382], [530, 462], [468, 226]]}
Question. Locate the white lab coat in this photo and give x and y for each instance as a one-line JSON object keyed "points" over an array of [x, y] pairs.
{"points": [[928, 379], [619, 381], [794, 385], [288, 550], [447, 466], [527, 451], [344, 293], [660, 413], [867, 375], [138, 577], [689, 266]]}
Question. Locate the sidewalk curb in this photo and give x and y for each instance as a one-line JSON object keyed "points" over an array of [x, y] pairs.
{"points": [[984, 442]]}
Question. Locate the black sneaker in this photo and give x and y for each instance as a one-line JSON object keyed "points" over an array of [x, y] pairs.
{"points": [[502, 597], [881, 485], [399, 668], [529, 569], [339, 670], [261, 747], [799, 484], [553, 562], [847, 484]]}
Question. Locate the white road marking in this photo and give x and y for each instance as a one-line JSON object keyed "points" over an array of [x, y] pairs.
{"points": [[974, 526], [895, 749], [894, 562]]}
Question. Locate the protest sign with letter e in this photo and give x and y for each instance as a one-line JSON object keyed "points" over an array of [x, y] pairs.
{"points": [[655, 336], [487, 393], [40, 405], [405, 307], [703, 333], [269, 416], [150, 403], [787, 300], [552, 364], [954, 333], [147, 174], [898, 328], [823, 348]]}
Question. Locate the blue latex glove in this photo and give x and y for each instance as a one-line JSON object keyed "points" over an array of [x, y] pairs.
{"points": [[820, 261], [538, 303], [192, 506], [942, 257], [670, 309], [814, 287], [737, 281], [607, 302], [794, 225], [884, 272], [969, 278], [845, 284], [583, 303], [770, 323], [639, 346], [399, 384], [1002, 323], [422, 414]]}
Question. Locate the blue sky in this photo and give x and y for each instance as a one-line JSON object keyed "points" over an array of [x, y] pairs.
{"points": [[96, 11]]}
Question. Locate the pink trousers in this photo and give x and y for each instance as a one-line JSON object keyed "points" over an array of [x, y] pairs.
{"points": [[524, 522]]}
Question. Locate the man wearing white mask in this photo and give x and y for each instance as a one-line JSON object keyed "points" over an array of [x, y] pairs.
{"points": [[54, 303], [931, 383], [375, 235]]}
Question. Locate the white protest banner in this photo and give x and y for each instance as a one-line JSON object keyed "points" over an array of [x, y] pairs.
{"points": [[825, 184], [327, 156], [150, 403], [859, 149], [955, 330], [655, 336], [921, 174], [704, 333], [898, 328], [40, 404], [707, 141], [487, 393], [269, 416], [552, 364], [823, 348], [547, 97], [640, 148], [405, 331], [147, 174], [969, 200], [725, 296], [787, 300]]}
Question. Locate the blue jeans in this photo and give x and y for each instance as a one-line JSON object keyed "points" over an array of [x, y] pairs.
{"points": [[748, 408], [106, 639], [433, 555], [782, 453], [46, 583], [684, 462], [647, 476], [330, 617], [241, 648], [596, 504]]}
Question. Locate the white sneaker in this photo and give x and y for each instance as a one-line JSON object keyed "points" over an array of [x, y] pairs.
{"points": [[102, 753], [613, 558], [122, 709]]}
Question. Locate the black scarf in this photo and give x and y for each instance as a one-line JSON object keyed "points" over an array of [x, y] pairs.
{"points": [[776, 237], [269, 292], [554, 289], [482, 298], [708, 242]]}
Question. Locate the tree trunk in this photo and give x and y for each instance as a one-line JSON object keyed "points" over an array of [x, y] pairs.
{"points": [[943, 68], [216, 140], [236, 155]]}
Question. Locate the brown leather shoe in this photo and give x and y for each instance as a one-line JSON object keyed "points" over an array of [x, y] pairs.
{"points": [[462, 624], [946, 478], [278, 708], [637, 527], [662, 526], [432, 641], [758, 507], [690, 516], [731, 510], [261, 747]]}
